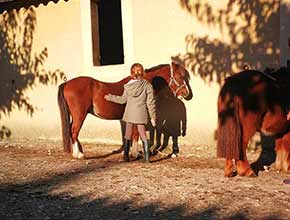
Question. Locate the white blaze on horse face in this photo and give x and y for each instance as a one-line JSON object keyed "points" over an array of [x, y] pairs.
{"points": [[76, 151]]}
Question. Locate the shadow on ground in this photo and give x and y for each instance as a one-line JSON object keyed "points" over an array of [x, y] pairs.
{"points": [[24, 202], [34, 200]]}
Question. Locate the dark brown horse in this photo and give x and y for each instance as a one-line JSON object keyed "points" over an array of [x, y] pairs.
{"points": [[83, 95], [253, 101]]}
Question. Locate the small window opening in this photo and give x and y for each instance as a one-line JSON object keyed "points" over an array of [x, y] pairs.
{"points": [[107, 33]]}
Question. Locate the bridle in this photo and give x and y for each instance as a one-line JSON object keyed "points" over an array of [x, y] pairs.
{"points": [[173, 81]]}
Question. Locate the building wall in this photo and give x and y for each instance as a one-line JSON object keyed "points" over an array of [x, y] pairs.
{"points": [[154, 31], [284, 31], [58, 29], [160, 30]]}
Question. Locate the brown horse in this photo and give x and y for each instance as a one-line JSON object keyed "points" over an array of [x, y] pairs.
{"points": [[83, 95], [253, 101]]}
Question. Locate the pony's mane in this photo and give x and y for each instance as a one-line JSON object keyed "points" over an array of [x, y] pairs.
{"points": [[156, 67], [238, 84], [282, 74]]}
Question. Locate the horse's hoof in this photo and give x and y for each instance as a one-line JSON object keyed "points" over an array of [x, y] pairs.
{"points": [[230, 174], [285, 167], [251, 174], [79, 156], [173, 155], [267, 168], [248, 173]]}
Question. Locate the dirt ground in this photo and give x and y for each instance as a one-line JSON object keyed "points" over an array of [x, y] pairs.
{"points": [[39, 181]]}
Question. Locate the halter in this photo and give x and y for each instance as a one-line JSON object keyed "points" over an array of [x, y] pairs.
{"points": [[173, 81]]}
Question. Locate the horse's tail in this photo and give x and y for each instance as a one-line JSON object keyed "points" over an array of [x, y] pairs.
{"points": [[65, 119], [229, 133]]}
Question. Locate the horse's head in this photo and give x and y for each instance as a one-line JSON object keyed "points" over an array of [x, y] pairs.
{"points": [[179, 81]]}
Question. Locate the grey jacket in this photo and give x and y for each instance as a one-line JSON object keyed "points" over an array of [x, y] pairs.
{"points": [[138, 94]]}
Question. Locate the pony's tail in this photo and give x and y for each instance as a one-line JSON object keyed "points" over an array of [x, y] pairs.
{"points": [[229, 133], [65, 119]]}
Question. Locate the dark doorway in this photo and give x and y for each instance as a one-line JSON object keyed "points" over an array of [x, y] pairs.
{"points": [[110, 33]]}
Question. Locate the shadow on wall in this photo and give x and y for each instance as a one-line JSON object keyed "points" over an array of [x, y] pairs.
{"points": [[284, 33], [252, 27], [20, 69]]}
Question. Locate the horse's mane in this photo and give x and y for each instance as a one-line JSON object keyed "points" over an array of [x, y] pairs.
{"points": [[156, 67], [186, 73], [238, 83], [282, 74]]}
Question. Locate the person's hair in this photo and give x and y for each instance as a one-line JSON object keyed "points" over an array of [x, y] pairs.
{"points": [[137, 70]]}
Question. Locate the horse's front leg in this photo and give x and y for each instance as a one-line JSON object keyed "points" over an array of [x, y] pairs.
{"points": [[275, 122], [228, 169], [77, 150], [248, 130], [243, 165], [282, 153], [75, 129]]}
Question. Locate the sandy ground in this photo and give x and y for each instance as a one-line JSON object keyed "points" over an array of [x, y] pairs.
{"points": [[39, 181]]}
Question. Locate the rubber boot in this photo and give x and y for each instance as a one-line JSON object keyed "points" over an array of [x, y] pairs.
{"points": [[146, 150], [126, 150]]}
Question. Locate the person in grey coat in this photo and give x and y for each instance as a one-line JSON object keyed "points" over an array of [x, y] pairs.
{"points": [[139, 96]]}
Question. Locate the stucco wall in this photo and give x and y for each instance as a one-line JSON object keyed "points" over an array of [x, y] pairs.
{"points": [[284, 31], [58, 28], [214, 39], [160, 29]]}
